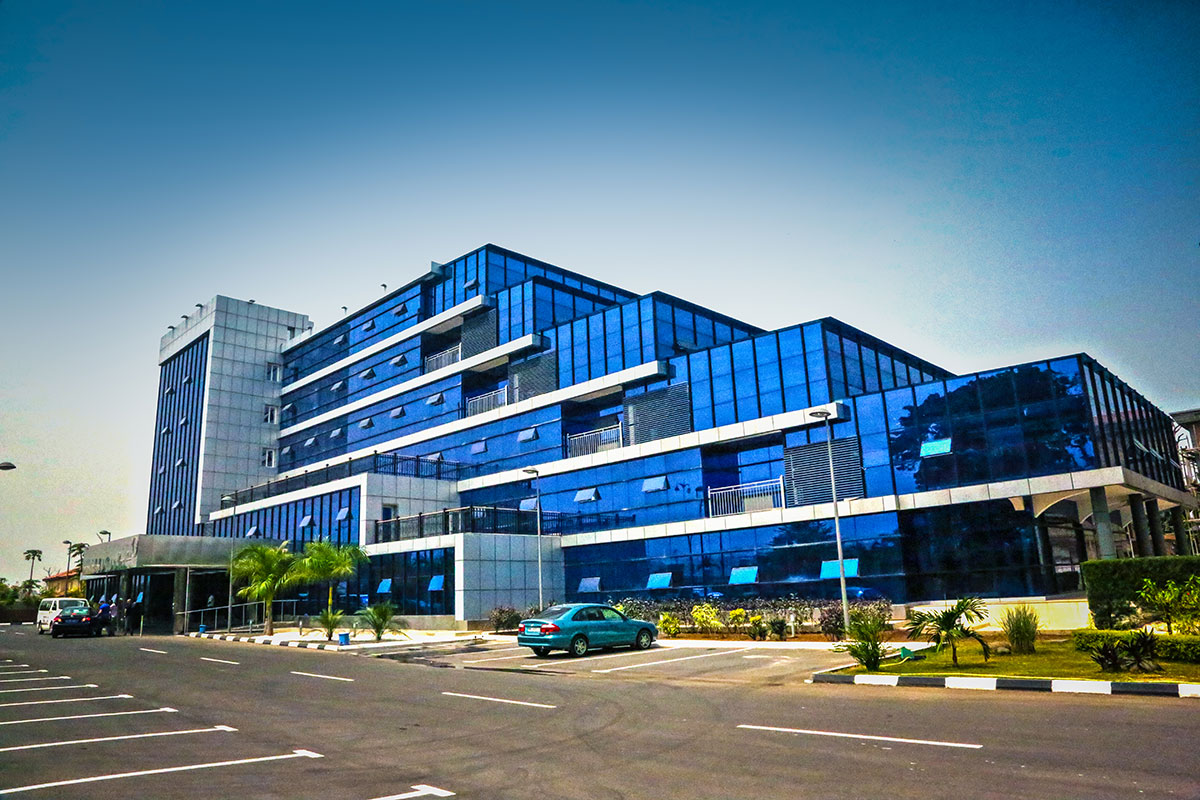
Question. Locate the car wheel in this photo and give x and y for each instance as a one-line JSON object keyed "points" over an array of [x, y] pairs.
{"points": [[41, 630], [579, 646], [643, 640], [541, 652], [54, 634]]}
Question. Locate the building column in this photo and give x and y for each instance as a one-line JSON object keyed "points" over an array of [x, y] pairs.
{"points": [[1080, 542], [1183, 544], [1046, 551], [1157, 540], [1103, 522], [1141, 530]]}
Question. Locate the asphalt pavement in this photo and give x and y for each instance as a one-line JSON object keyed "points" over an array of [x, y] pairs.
{"points": [[159, 717]]}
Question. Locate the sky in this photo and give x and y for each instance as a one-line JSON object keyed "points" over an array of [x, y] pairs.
{"points": [[981, 184]]}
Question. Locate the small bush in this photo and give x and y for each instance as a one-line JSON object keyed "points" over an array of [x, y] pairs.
{"points": [[504, 618], [1141, 648], [1020, 625], [707, 618], [1168, 648], [866, 639], [1113, 584], [832, 621], [757, 629], [329, 621], [1110, 656], [737, 617], [1172, 603], [668, 625], [379, 619], [778, 627]]}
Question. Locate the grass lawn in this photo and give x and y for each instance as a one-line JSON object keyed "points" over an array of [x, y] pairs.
{"points": [[1052, 660]]}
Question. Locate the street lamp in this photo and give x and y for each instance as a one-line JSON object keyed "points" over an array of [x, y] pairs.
{"points": [[537, 483], [104, 533], [837, 523], [5, 466], [68, 543]]}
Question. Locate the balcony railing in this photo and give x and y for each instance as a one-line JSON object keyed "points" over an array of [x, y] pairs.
{"points": [[487, 402], [746, 497], [491, 519], [443, 359], [597, 441], [379, 463]]}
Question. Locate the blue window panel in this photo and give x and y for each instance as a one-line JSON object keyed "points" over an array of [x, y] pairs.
{"points": [[307, 521], [343, 515], [527, 435], [529, 504], [479, 447], [659, 483], [435, 399], [589, 585], [937, 447], [829, 569], [589, 495], [659, 580], [739, 575], [437, 583], [385, 586]]}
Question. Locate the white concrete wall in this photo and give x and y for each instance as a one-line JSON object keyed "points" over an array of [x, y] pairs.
{"points": [[493, 569]]}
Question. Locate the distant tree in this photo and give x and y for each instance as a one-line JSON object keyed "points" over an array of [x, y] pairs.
{"points": [[30, 587], [75, 553], [32, 556]]}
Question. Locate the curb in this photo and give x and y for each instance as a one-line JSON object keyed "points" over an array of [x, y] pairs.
{"points": [[1057, 685]]}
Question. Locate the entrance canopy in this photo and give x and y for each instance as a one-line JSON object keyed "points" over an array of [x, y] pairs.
{"points": [[146, 551]]}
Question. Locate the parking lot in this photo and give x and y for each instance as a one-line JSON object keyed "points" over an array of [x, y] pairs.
{"points": [[733, 662]]}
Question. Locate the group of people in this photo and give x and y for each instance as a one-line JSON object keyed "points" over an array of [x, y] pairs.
{"points": [[121, 615]]}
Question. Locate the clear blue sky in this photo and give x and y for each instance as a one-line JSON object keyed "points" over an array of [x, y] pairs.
{"points": [[981, 184]]}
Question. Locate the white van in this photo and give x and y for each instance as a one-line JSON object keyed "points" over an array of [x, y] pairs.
{"points": [[48, 609]]}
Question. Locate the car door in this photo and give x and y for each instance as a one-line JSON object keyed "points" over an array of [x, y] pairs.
{"points": [[592, 625], [617, 628]]}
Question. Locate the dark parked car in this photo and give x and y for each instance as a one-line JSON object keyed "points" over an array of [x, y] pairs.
{"points": [[576, 627], [78, 619]]}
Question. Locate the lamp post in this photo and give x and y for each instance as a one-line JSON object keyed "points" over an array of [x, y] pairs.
{"points": [[837, 523], [104, 533], [537, 483]]}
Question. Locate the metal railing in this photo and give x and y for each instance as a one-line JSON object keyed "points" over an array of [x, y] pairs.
{"points": [[379, 463], [246, 617], [491, 519], [597, 441], [444, 358], [487, 402], [746, 497]]}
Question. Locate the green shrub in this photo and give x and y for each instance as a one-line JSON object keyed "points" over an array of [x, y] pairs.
{"points": [[379, 619], [758, 629], [778, 627], [1172, 603], [737, 617], [866, 639], [504, 618], [1141, 646], [668, 625], [1168, 648], [1020, 625], [1113, 584], [832, 621], [1110, 657], [706, 618], [329, 621]]}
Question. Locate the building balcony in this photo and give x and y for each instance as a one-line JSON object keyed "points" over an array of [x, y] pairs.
{"points": [[491, 519], [592, 442], [482, 403], [745, 498], [443, 359]]}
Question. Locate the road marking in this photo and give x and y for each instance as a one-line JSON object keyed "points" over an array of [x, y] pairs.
{"points": [[67, 700], [505, 649], [929, 742], [586, 659], [55, 678], [92, 716], [162, 770], [501, 658], [11, 666], [326, 677], [219, 660], [420, 790], [673, 660], [49, 688], [24, 671], [149, 650], [498, 700], [214, 729]]}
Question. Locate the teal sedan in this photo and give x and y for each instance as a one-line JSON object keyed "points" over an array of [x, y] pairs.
{"points": [[579, 627]]}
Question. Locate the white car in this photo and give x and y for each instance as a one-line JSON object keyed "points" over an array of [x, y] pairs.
{"points": [[48, 609]]}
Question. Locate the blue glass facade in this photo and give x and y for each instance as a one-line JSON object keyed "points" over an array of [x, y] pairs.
{"points": [[646, 410], [177, 436]]}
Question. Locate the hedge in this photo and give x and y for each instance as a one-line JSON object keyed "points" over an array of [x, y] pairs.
{"points": [[1112, 584], [1175, 647]]}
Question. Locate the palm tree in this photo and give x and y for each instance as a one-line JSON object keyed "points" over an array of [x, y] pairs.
{"points": [[950, 626], [324, 562], [266, 569], [75, 551], [32, 556], [29, 587]]}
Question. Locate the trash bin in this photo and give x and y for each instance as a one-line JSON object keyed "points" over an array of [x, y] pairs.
{"points": [[203, 628], [343, 639]]}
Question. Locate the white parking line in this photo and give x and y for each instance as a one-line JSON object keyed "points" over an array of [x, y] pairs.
{"points": [[326, 677], [214, 729], [49, 688], [501, 658], [930, 742], [673, 660], [55, 678], [420, 790], [219, 660], [586, 659], [164, 709], [150, 650], [24, 671], [11, 666], [162, 770], [498, 700], [66, 700]]}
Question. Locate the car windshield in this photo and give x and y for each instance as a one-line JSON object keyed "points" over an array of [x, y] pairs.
{"points": [[554, 612], [75, 611]]}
